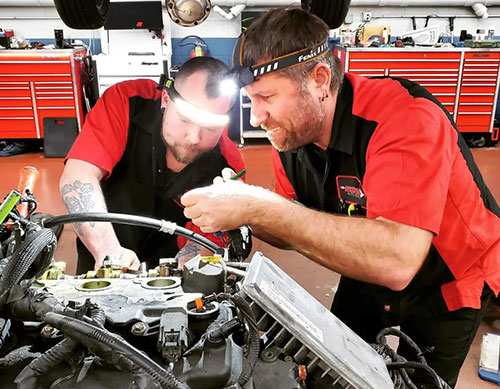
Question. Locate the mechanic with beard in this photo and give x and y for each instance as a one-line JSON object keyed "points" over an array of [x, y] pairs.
{"points": [[139, 150], [389, 194]]}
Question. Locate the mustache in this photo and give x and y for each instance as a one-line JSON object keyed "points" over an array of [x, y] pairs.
{"points": [[271, 125]]}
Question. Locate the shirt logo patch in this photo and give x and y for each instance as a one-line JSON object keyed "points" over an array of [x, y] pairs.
{"points": [[350, 190]]}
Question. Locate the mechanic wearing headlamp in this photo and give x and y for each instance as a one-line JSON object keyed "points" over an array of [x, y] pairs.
{"points": [[130, 158], [427, 254]]}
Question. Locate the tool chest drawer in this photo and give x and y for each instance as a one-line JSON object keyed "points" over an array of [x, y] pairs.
{"points": [[465, 81], [36, 84]]}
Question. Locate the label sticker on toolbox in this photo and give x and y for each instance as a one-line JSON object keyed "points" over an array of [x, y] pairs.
{"points": [[291, 310]]}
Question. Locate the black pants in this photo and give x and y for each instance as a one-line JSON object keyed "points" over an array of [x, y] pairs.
{"points": [[422, 315]]}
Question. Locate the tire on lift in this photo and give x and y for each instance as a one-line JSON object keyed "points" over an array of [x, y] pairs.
{"points": [[83, 14], [91, 14], [332, 12]]}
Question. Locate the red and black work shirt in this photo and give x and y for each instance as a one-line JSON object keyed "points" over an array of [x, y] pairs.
{"points": [[396, 153], [122, 135]]}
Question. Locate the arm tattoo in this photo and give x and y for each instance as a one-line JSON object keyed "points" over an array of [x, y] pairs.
{"points": [[78, 199], [190, 250]]}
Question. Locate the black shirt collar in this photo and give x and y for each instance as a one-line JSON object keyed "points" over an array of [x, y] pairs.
{"points": [[343, 128]]}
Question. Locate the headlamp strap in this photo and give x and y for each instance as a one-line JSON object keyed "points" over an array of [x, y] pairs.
{"points": [[289, 60], [162, 82]]}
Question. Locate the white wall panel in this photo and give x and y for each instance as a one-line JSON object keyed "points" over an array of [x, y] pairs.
{"points": [[465, 18], [40, 22]]}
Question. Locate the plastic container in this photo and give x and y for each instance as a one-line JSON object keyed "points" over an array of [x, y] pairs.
{"points": [[491, 32]]}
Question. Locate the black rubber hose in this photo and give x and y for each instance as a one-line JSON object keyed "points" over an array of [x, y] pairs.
{"points": [[440, 384], [25, 255], [253, 336], [400, 378], [28, 378], [400, 334], [84, 332], [132, 220], [399, 361]]}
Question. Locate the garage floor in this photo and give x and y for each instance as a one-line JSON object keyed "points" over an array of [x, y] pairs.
{"points": [[320, 282]]}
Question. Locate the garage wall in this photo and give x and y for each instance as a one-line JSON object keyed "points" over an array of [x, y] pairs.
{"points": [[38, 24], [399, 18]]}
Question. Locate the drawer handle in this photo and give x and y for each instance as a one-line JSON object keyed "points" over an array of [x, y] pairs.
{"points": [[56, 107], [53, 87], [16, 108], [478, 79], [480, 65], [474, 113], [482, 60], [475, 103], [434, 79], [475, 84], [54, 98], [439, 85], [404, 60], [52, 82], [477, 94], [17, 118], [366, 70], [38, 75], [53, 93]]}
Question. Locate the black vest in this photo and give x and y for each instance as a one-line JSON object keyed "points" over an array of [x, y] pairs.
{"points": [[141, 184]]}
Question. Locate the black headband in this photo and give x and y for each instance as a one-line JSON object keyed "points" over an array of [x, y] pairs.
{"points": [[247, 75]]}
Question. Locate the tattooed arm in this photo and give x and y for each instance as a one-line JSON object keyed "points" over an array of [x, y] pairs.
{"points": [[81, 193]]}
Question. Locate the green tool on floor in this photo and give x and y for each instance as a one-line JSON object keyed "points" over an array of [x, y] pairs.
{"points": [[8, 204]]}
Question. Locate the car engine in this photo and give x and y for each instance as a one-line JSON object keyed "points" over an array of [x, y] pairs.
{"points": [[215, 323]]}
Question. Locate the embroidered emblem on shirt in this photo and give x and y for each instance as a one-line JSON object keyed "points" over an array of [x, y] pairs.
{"points": [[350, 190]]}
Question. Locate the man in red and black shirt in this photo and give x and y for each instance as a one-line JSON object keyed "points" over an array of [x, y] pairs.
{"points": [[389, 194], [132, 158]]}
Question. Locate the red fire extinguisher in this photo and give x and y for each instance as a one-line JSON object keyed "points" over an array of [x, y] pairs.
{"points": [[200, 47], [197, 50]]}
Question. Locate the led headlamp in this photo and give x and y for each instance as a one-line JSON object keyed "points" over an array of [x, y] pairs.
{"points": [[249, 74], [192, 112]]}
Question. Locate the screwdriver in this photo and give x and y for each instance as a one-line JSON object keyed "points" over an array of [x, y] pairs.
{"points": [[239, 174]]}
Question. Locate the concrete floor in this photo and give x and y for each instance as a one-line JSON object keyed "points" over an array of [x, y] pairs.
{"points": [[320, 282]]}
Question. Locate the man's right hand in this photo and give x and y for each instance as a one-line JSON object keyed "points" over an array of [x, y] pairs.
{"points": [[125, 257]]}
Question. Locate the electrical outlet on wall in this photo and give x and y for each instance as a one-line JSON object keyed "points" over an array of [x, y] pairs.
{"points": [[367, 16]]}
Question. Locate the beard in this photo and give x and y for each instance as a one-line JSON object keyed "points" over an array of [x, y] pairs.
{"points": [[183, 152], [303, 126]]}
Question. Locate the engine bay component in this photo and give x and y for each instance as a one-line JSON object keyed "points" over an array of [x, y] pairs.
{"points": [[216, 323], [308, 332]]}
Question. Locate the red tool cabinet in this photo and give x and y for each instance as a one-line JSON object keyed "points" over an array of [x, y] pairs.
{"points": [[38, 84], [465, 81]]}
